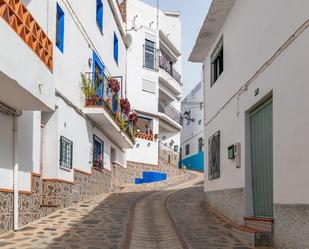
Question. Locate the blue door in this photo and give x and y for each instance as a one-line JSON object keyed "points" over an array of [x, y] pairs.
{"points": [[98, 72]]}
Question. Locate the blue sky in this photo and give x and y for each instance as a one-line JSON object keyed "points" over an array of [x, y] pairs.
{"points": [[193, 13]]}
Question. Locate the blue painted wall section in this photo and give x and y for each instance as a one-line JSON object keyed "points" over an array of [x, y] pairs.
{"points": [[149, 176], [194, 162]]}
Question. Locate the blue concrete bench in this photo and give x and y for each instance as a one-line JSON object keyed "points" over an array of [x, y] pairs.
{"points": [[149, 176]]}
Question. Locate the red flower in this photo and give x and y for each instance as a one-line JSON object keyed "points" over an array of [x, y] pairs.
{"points": [[114, 85], [125, 105], [133, 117]]}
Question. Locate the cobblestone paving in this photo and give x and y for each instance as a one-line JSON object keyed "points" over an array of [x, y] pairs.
{"points": [[201, 228], [99, 223], [140, 217]]}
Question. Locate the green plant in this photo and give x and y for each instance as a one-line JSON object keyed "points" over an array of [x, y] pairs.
{"points": [[88, 88]]}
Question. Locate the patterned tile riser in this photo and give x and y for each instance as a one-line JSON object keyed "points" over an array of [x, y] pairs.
{"points": [[51, 193]]}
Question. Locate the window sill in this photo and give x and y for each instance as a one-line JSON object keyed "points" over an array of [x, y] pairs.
{"points": [[65, 169], [150, 69]]}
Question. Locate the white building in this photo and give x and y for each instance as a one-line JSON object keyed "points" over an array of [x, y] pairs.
{"points": [[154, 76], [192, 132], [65, 147], [256, 126]]}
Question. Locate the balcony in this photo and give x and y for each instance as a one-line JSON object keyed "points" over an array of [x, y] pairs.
{"points": [[169, 114], [25, 84], [104, 106], [166, 66], [169, 76]]}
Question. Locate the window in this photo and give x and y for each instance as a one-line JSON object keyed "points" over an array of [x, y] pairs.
{"points": [[60, 28], [99, 15], [149, 56], [187, 149], [66, 153], [144, 125], [200, 144], [200, 122], [214, 156], [98, 74], [201, 105], [217, 62], [98, 150], [116, 48]]}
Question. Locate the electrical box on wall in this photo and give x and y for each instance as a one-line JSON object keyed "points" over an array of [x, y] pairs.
{"points": [[234, 153], [231, 152]]}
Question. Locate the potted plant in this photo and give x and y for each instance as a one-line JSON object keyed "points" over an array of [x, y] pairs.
{"points": [[125, 106], [115, 87], [89, 90]]}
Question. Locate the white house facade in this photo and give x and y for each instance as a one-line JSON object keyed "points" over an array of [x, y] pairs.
{"points": [[154, 76], [63, 126], [192, 132], [256, 128]]}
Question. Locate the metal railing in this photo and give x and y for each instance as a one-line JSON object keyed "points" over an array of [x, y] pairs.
{"points": [[167, 67], [110, 101], [170, 111]]}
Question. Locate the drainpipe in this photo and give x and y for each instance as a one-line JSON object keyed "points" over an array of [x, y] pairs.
{"points": [[15, 170]]}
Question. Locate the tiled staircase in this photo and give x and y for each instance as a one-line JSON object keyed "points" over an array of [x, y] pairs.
{"points": [[256, 231]]}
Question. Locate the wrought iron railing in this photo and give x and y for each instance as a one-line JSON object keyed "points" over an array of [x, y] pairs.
{"points": [[98, 93], [166, 66], [170, 111]]}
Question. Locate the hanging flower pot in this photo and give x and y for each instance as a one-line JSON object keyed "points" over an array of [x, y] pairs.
{"points": [[125, 106], [114, 85]]}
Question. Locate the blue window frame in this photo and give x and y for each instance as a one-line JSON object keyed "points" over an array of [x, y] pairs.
{"points": [[99, 15], [98, 151], [60, 28], [116, 48], [98, 74]]}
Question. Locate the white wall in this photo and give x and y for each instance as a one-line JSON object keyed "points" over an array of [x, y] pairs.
{"points": [[245, 50], [145, 151], [28, 147], [192, 132]]}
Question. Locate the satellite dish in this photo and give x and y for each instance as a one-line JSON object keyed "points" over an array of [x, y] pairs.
{"points": [[129, 40]]}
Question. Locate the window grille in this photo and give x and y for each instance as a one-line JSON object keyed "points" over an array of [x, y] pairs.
{"points": [[66, 153], [214, 156]]}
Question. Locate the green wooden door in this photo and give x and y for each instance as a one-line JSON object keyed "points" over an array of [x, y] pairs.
{"points": [[261, 126]]}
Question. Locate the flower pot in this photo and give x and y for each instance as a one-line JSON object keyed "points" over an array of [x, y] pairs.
{"points": [[90, 102]]}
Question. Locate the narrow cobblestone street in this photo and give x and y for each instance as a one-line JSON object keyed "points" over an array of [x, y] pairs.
{"points": [[167, 215]]}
